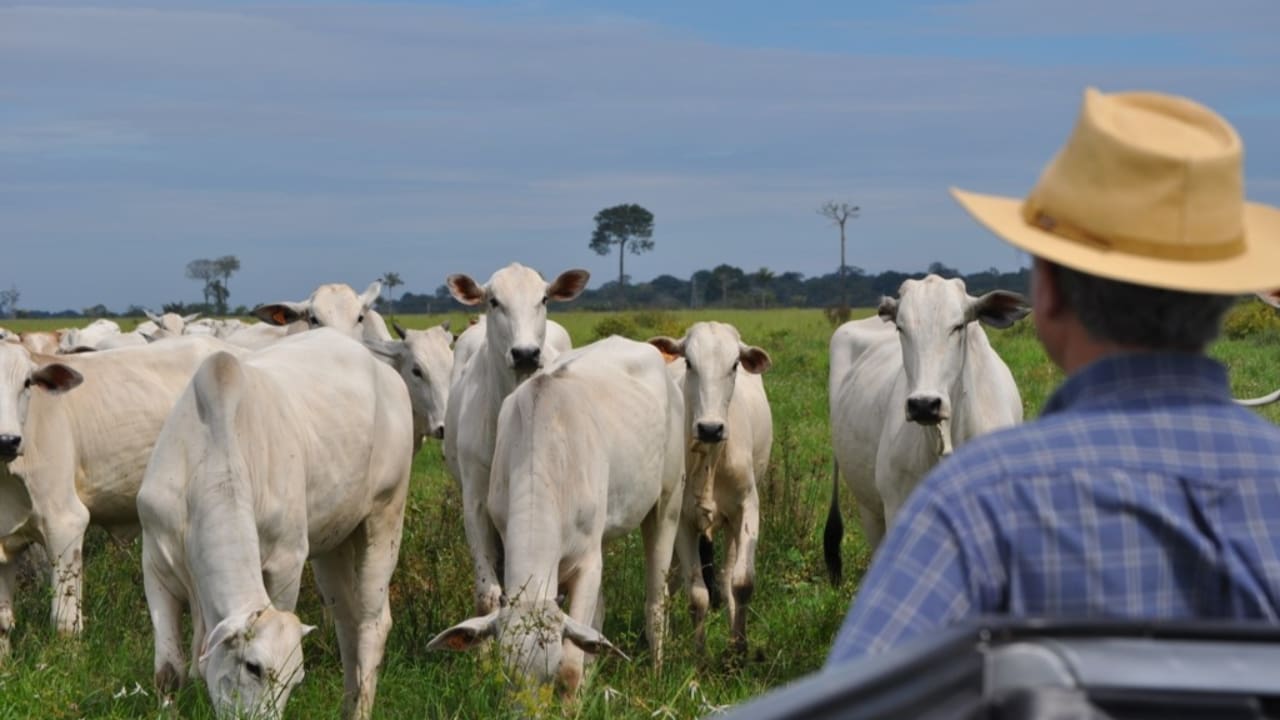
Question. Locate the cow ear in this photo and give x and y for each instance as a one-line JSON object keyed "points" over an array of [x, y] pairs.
{"points": [[589, 639], [399, 330], [465, 290], [888, 310], [190, 318], [754, 360], [281, 313], [1270, 297], [445, 326], [370, 294], [670, 348], [230, 631], [998, 308], [568, 285], [466, 634], [56, 378], [152, 317], [389, 351]]}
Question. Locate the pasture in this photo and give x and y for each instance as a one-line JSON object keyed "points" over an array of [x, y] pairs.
{"points": [[794, 614]]}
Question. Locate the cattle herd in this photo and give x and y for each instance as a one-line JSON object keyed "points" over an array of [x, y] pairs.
{"points": [[241, 451]]}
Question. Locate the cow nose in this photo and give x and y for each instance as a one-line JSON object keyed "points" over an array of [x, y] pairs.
{"points": [[438, 433], [926, 410], [526, 358], [9, 446], [710, 432]]}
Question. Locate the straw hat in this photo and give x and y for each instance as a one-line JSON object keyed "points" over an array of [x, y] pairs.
{"points": [[1149, 189]]}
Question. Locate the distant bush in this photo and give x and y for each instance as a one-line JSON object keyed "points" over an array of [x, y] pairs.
{"points": [[1251, 318], [641, 325]]}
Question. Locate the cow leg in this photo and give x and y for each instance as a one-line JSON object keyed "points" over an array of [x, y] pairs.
{"points": [[584, 590], [335, 574], [744, 529], [483, 541], [166, 619], [64, 540], [198, 633], [8, 581], [660, 528], [872, 521], [694, 582]]}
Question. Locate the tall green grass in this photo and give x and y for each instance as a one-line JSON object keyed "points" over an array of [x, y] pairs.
{"points": [[794, 613]]}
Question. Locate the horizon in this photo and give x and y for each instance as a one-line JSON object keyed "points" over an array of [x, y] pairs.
{"points": [[334, 142]]}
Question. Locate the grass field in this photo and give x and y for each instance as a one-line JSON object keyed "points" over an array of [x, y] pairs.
{"points": [[107, 672]]}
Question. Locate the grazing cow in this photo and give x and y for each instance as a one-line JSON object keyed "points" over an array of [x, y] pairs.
{"points": [[334, 305], [908, 386], [425, 361], [514, 347], [587, 451], [300, 450], [79, 457], [170, 324], [41, 342], [728, 432], [73, 340]]}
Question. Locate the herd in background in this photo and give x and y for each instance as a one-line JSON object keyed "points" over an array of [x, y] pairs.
{"points": [[242, 451]]}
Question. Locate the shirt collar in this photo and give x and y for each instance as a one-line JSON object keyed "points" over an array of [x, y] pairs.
{"points": [[1138, 379]]}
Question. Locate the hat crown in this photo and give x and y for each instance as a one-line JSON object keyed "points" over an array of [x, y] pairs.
{"points": [[1147, 174]]}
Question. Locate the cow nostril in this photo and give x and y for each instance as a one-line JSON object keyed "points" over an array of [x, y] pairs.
{"points": [[9, 444], [710, 432], [525, 356], [438, 433], [926, 410]]}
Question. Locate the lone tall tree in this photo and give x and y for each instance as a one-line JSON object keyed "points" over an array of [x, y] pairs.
{"points": [[391, 281], [225, 266], [620, 225], [839, 214]]}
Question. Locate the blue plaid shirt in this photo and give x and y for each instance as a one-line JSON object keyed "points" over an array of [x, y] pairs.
{"points": [[1142, 491]]}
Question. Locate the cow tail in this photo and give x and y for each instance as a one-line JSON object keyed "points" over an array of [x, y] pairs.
{"points": [[833, 533]]}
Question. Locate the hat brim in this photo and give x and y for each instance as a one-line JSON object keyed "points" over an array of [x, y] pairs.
{"points": [[1256, 269]]}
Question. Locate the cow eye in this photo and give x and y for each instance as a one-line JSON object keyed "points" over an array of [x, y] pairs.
{"points": [[493, 303], [544, 299], [360, 319], [898, 328], [254, 669], [957, 328], [315, 321], [734, 369], [688, 365], [27, 385], [417, 372]]}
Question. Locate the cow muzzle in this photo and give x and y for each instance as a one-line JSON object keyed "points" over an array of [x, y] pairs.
{"points": [[925, 409], [10, 447], [710, 432], [438, 432], [526, 359]]}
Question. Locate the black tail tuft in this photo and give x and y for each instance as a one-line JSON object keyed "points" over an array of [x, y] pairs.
{"points": [[707, 556], [833, 533]]}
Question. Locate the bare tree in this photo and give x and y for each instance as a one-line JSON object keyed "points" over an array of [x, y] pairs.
{"points": [[9, 301], [839, 214]]}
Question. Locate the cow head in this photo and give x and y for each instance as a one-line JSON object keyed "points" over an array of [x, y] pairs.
{"points": [[424, 360], [516, 319], [251, 662], [334, 305], [932, 317], [19, 377], [531, 638], [713, 355]]}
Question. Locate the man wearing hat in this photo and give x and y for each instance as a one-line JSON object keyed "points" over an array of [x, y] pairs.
{"points": [[1142, 491]]}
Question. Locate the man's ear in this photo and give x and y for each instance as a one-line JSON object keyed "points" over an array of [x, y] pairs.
{"points": [[464, 289], [998, 308], [281, 313]]}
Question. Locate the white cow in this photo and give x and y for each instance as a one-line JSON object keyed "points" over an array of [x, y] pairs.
{"points": [[334, 305], [300, 450], [74, 340], [515, 346], [7, 335], [79, 457], [729, 433], [470, 340], [41, 342], [259, 335], [908, 386], [170, 324], [587, 451], [425, 361]]}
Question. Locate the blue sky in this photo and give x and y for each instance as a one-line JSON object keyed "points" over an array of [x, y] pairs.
{"points": [[325, 142]]}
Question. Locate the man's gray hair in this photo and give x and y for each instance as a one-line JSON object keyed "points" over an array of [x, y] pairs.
{"points": [[1140, 315]]}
